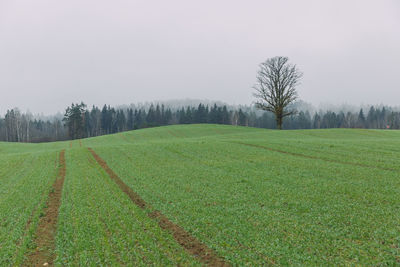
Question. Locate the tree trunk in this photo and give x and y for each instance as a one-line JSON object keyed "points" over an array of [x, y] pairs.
{"points": [[279, 121]]}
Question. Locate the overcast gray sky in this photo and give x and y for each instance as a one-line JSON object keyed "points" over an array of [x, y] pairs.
{"points": [[53, 53]]}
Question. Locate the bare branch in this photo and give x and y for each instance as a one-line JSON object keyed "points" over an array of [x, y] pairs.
{"points": [[276, 87]]}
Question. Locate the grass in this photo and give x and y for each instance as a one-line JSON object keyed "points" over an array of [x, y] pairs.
{"points": [[25, 181], [99, 225], [256, 197]]}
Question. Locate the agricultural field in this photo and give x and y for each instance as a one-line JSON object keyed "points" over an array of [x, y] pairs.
{"points": [[193, 195]]}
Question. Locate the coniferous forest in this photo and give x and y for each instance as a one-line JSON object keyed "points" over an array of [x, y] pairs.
{"points": [[79, 121]]}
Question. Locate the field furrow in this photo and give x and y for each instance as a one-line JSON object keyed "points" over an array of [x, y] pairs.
{"points": [[45, 233], [191, 195], [318, 158], [99, 224], [253, 205], [191, 244], [23, 196]]}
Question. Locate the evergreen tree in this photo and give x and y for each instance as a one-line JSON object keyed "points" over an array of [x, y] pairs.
{"points": [[361, 119], [95, 117], [139, 119], [106, 120], [371, 121], [182, 116], [158, 117], [120, 121], [74, 120], [213, 116], [304, 120], [88, 124], [201, 114], [130, 120], [225, 115], [189, 115], [242, 120], [167, 116], [316, 121], [151, 118]]}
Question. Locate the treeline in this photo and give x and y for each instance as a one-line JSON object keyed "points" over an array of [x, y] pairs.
{"points": [[80, 121], [22, 127], [375, 118]]}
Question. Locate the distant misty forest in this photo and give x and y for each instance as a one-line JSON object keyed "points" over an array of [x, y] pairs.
{"points": [[80, 121]]}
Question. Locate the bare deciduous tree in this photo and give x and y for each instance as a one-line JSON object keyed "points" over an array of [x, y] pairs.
{"points": [[276, 87]]}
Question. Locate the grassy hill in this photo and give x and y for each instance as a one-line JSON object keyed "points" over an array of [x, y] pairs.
{"points": [[204, 194]]}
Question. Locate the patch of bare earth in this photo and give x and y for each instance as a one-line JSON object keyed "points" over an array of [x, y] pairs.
{"points": [[185, 239], [45, 232]]}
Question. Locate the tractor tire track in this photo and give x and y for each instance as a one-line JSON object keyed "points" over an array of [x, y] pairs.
{"points": [[45, 232], [185, 239], [32, 216], [317, 158]]}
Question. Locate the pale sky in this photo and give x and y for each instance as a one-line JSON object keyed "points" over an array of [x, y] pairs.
{"points": [[117, 52]]}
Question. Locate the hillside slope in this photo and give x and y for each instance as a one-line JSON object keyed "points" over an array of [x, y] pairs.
{"points": [[206, 194]]}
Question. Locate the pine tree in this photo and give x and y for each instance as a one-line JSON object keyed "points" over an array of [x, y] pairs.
{"points": [[130, 120], [361, 119], [242, 120], [74, 120]]}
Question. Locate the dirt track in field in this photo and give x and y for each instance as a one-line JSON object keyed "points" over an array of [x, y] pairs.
{"points": [[185, 239], [45, 232], [314, 157]]}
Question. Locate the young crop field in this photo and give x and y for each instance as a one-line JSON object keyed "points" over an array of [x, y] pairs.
{"points": [[193, 195]]}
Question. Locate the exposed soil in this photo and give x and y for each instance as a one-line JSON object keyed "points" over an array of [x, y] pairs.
{"points": [[45, 232], [127, 190], [189, 242], [318, 158], [185, 239]]}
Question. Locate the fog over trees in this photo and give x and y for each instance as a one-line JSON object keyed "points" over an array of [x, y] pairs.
{"points": [[16, 126], [80, 121]]}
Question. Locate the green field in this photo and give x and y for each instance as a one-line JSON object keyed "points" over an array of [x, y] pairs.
{"points": [[252, 196]]}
